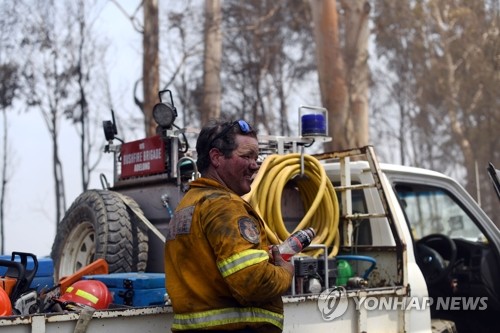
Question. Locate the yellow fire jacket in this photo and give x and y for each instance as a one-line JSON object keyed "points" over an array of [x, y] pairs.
{"points": [[218, 273]]}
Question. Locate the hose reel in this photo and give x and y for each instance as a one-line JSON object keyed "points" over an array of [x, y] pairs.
{"points": [[316, 192]]}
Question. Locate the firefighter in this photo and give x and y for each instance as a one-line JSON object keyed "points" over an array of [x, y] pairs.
{"points": [[219, 273]]}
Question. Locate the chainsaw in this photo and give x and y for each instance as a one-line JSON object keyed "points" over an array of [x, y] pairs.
{"points": [[17, 281], [25, 300]]}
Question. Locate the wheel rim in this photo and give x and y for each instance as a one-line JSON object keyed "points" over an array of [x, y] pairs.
{"points": [[79, 250]]}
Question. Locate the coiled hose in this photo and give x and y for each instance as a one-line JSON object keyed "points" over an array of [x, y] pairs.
{"points": [[317, 195]]}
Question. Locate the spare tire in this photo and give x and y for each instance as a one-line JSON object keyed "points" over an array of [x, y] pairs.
{"points": [[99, 225]]}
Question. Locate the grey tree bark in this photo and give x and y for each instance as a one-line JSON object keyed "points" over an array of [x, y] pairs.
{"points": [[331, 71], [150, 64], [211, 100], [356, 15]]}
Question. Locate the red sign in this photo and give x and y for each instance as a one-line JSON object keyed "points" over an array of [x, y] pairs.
{"points": [[143, 157]]}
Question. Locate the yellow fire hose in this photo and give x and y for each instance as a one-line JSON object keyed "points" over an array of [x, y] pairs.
{"points": [[317, 195]]}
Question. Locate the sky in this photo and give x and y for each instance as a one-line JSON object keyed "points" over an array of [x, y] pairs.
{"points": [[30, 208]]}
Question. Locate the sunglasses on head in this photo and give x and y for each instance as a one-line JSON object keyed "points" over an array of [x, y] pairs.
{"points": [[244, 128]]}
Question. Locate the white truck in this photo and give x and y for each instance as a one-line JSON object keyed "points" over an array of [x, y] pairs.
{"points": [[399, 249]]}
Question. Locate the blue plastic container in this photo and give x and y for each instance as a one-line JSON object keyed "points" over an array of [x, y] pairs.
{"points": [[44, 276], [134, 289]]}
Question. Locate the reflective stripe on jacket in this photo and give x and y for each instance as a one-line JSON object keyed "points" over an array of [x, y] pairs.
{"points": [[241, 260], [218, 273], [226, 316]]}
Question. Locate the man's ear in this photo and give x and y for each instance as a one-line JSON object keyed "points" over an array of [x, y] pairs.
{"points": [[215, 155]]}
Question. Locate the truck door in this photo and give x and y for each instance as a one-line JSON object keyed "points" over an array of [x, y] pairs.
{"points": [[456, 250]]}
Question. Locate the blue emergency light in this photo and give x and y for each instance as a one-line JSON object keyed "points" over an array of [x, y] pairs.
{"points": [[313, 125], [313, 122]]}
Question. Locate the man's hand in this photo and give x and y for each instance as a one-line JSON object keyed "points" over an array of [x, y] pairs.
{"points": [[279, 261]]}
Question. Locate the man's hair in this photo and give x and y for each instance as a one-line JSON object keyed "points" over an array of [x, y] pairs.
{"points": [[225, 143]]}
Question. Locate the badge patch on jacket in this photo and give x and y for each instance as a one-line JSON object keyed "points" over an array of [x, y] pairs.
{"points": [[249, 230], [180, 224]]}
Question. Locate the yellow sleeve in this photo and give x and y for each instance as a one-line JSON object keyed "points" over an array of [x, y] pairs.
{"points": [[239, 242]]}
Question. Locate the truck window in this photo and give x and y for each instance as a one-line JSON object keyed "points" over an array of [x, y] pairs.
{"points": [[362, 230], [362, 234], [432, 210]]}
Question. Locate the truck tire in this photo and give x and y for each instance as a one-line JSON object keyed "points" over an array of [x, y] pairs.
{"points": [[99, 225]]}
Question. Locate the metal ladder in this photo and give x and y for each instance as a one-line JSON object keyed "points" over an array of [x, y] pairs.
{"points": [[365, 153], [348, 218]]}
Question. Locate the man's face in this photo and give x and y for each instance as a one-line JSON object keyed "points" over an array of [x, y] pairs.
{"points": [[237, 171]]}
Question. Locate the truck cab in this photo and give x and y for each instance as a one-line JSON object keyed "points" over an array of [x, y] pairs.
{"points": [[456, 245]]}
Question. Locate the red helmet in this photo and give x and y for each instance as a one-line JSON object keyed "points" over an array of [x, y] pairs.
{"points": [[5, 305], [93, 293]]}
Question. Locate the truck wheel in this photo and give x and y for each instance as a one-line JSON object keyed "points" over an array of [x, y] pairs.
{"points": [[99, 225]]}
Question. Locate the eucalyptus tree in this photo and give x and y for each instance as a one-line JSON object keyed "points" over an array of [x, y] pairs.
{"points": [[268, 55], [444, 70], [9, 90], [61, 58]]}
